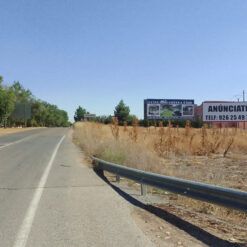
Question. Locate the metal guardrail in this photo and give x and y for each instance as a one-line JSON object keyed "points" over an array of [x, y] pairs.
{"points": [[226, 197]]}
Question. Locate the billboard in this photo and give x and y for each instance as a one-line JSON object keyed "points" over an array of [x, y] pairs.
{"points": [[224, 111], [22, 112], [168, 109]]}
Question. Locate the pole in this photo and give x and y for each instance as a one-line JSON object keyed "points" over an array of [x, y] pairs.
{"points": [[244, 101], [143, 189]]}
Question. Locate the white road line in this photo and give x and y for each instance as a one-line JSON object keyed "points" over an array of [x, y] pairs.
{"points": [[12, 143], [26, 226]]}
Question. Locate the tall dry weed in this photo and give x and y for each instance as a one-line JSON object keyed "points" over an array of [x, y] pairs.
{"points": [[115, 128], [105, 143], [158, 143], [133, 134], [187, 128]]}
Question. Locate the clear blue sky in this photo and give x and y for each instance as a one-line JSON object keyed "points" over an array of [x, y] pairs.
{"points": [[95, 52]]}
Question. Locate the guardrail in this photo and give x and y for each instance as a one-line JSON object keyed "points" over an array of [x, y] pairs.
{"points": [[226, 197]]}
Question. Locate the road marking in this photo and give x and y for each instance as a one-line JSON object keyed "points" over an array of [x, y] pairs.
{"points": [[26, 226], [12, 143]]}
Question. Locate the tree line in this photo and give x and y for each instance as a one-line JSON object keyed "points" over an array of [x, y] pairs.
{"points": [[19, 107], [122, 114]]}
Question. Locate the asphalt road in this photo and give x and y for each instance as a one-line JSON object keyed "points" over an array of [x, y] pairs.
{"points": [[49, 198]]}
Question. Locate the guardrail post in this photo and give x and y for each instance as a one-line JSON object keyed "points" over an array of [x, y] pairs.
{"points": [[143, 189], [117, 178]]}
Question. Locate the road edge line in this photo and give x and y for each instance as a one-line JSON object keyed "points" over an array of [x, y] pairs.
{"points": [[23, 233]]}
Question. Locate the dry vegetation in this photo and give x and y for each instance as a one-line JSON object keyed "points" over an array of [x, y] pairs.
{"points": [[12, 130], [215, 156]]}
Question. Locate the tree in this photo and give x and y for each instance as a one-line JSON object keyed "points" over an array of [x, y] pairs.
{"points": [[39, 113], [23, 102], [7, 104], [7, 101], [18, 106], [22, 95], [131, 119], [122, 112], [79, 114]]}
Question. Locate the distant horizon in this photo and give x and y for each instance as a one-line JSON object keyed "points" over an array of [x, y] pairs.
{"points": [[95, 53], [143, 101]]}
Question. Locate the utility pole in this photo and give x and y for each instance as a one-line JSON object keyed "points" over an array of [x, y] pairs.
{"points": [[244, 101]]}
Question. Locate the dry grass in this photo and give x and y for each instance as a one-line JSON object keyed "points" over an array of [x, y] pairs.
{"points": [[115, 144], [215, 156], [12, 130]]}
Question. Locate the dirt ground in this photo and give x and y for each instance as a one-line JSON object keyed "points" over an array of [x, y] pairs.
{"points": [[173, 220], [230, 171], [212, 228], [189, 230], [163, 233]]}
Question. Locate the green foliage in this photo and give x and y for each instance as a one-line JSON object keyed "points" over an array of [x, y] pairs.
{"points": [[15, 101], [104, 119], [122, 112], [79, 114], [115, 156], [131, 119], [7, 104], [22, 95], [197, 123]]}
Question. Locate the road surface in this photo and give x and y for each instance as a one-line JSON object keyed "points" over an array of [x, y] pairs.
{"points": [[49, 198]]}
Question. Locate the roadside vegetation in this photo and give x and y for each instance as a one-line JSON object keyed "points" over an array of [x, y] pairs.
{"points": [[19, 107], [211, 155], [215, 156]]}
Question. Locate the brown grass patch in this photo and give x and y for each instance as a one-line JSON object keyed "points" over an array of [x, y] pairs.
{"points": [[216, 156], [13, 130]]}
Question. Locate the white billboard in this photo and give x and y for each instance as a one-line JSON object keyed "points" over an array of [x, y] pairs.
{"points": [[224, 112]]}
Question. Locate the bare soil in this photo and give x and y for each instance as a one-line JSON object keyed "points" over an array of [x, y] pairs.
{"points": [[163, 233], [173, 220], [230, 171]]}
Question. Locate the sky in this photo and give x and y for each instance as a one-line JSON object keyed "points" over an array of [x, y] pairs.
{"points": [[94, 53]]}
